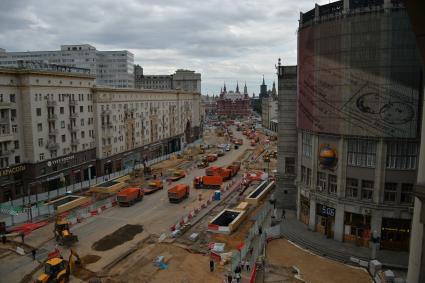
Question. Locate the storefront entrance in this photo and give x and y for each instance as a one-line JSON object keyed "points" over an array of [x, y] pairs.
{"points": [[357, 229], [304, 210], [325, 220], [395, 234]]}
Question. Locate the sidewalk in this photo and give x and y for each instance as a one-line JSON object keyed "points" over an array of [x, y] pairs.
{"points": [[298, 232]]}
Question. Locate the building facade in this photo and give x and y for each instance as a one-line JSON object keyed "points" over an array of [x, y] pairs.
{"points": [[185, 80], [269, 107], [57, 128], [287, 136], [209, 105], [233, 104], [111, 68], [358, 106]]}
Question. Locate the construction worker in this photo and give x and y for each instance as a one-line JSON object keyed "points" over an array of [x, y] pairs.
{"points": [[33, 252], [22, 237], [211, 265]]}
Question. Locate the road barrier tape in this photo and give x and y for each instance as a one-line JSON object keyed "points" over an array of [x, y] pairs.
{"points": [[190, 216], [177, 226], [182, 221], [173, 228], [186, 219], [93, 213]]}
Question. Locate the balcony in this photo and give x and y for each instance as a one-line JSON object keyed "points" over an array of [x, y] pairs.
{"points": [[53, 132], [75, 142], [51, 103], [107, 125], [106, 112], [73, 103], [52, 145], [5, 105], [73, 115], [6, 136], [4, 121], [73, 129], [52, 117]]}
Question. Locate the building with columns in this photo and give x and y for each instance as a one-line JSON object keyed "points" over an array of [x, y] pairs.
{"points": [[358, 121], [57, 128]]}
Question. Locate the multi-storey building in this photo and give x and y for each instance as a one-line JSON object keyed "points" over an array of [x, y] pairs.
{"points": [[269, 109], [209, 105], [359, 93], [112, 68], [181, 80], [57, 128], [233, 104]]}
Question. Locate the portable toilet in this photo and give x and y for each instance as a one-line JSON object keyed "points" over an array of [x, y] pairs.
{"points": [[217, 195]]}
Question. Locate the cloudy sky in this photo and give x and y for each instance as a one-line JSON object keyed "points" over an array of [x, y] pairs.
{"points": [[233, 40]]}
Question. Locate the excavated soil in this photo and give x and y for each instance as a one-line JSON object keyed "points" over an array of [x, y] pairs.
{"points": [[120, 236], [83, 274], [87, 259]]}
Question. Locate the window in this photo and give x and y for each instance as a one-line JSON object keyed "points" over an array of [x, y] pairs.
{"points": [[63, 124], [16, 144], [17, 159], [81, 108], [308, 180], [82, 122], [402, 155], [40, 142], [307, 144], [40, 127], [63, 138], [13, 114], [351, 188], [12, 98], [62, 110], [321, 181], [362, 153], [406, 193], [41, 156], [303, 174], [82, 134], [332, 184], [38, 111], [15, 128], [290, 165], [367, 190], [390, 192]]}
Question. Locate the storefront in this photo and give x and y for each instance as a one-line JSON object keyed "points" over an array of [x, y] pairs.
{"points": [[357, 229], [325, 220], [395, 234], [11, 182], [304, 209]]}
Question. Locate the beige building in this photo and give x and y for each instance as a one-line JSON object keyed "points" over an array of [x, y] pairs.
{"points": [[184, 80], [57, 128]]}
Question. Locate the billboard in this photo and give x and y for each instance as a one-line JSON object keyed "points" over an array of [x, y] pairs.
{"points": [[369, 91]]}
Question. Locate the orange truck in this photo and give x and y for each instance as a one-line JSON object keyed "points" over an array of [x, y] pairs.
{"points": [[225, 173], [239, 142], [177, 193], [234, 168], [129, 196], [208, 182], [177, 175], [153, 186]]}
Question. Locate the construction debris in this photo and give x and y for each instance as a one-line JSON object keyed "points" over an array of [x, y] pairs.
{"points": [[120, 236]]}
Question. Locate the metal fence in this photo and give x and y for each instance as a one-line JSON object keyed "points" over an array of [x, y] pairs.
{"points": [[13, 212]]}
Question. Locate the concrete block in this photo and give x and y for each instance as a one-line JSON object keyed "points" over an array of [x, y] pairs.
{"points": [[374, 267], [354, 259], [193, 237], [363, 263]]}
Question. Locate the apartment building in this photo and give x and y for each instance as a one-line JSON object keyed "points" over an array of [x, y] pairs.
{"points": [[111, 68], [57, 128], [185, 80]]}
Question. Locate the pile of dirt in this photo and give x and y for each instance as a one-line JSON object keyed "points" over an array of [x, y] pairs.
{"points": [[120, 236], [87, 259], [83, 274]]}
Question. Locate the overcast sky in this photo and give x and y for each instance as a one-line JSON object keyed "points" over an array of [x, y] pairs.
{"points": [[234, 40]]}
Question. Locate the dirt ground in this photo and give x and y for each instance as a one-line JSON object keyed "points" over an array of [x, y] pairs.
{"points": [[183, 266], [313, 268], [122, 235]]}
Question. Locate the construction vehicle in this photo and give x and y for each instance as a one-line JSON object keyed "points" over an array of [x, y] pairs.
{"points": [[63, 234], [225, 173], [234, 168], [208, 182], [177, 193], [153, 186], [201, 149], [203, 163], [58, 269], [177, 175], [220, 152], [129, 196]]}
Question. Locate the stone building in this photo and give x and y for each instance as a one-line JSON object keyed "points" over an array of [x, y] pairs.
{"points": [[57, 128], [269, 110], [233, 104], [358, 121]]}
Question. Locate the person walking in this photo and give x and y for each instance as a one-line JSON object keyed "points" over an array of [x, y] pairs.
{"points": [[33, 252], [229, 278], [22, 238], [238, 277], [211, 265], [283, 214], [247, 265]]}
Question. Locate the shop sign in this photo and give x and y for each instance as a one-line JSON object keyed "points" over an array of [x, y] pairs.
{"points": [[12, 170], [60, 160], [326, 210]]}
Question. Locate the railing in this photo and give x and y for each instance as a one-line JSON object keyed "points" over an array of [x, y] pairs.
{"points": [[73, 103], [51, 103]]}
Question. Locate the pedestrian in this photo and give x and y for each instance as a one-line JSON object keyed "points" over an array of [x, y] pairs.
{"points": [[283, 214], [238, 277], [211, 265], [247, 265], [33, 252], [3, 239], [22, 237], [238, 269], [234, 280], [260, 230], [229, 278]]}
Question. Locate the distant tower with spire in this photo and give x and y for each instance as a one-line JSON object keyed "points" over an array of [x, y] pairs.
{"points": [[263, 90], [245, 90], [237, 87]]}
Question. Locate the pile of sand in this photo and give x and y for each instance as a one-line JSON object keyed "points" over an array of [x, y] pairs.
{"points": [[120, 236]]}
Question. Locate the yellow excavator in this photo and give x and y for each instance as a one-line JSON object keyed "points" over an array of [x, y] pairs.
{"points": [[57, 269], [62, 233]]}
